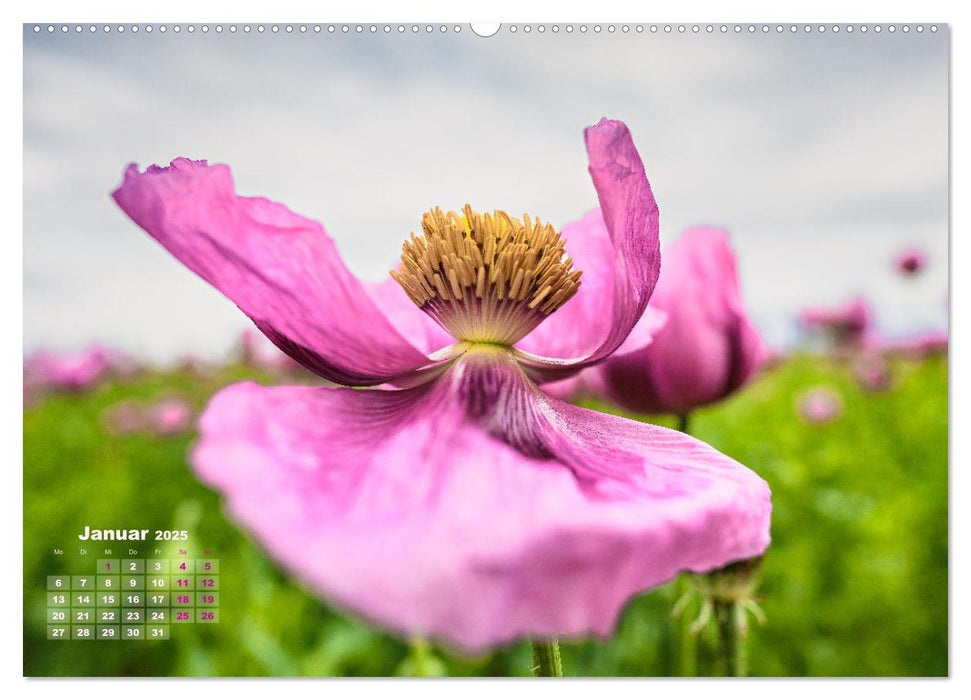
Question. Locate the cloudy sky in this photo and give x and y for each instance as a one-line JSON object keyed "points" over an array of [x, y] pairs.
{"points": [[824, 155]]}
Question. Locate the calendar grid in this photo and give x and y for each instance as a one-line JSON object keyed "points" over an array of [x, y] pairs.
{"points": [[133, 599]]}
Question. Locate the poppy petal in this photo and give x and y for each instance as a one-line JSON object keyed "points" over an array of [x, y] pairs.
{"points": [[474, 509], [280, 268], [618, 249]]}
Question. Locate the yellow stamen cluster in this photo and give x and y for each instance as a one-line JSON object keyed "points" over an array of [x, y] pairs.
{"points": [[486, 277]]}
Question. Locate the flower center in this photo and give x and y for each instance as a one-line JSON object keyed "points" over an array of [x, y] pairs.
{"points": [[486, 278]]}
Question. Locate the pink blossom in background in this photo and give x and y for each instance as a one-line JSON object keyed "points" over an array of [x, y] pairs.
{"points": [[124, 418], [846, 325], [819, 406], [910, 262], [921, 345], [706, 349], [456, 500], [66, 371], [872, 372], [123, 365], [170, 416]]}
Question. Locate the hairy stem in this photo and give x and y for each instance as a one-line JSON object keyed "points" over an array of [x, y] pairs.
{"points": [[688, 647], [731, 630], [741, 646], [546, 657]]}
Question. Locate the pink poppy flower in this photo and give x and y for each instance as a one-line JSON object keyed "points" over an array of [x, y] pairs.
{"points": [[820, 406], [920, 346], [464, 504], [910, 262], [123, 365], [847, 325], [68, 371], [706, 350], [124, 418], [170, 416]]}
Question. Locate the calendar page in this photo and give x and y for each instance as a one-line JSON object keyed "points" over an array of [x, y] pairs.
{"points": [[494, 349], [131, 599]]}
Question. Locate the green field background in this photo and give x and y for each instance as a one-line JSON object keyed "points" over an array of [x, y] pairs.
{"points": [[855, 582]]}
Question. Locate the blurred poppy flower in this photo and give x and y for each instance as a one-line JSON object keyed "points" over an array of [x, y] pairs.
{"points": [[124, 418], [67, 371], [846, 325], [457, 500], [910, 262], [707, 347], [820, 406], [872, 373], [921, 345], [170, 416]]}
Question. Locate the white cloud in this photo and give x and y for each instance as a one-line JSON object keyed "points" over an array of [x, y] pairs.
{"points": [[822, 159]]}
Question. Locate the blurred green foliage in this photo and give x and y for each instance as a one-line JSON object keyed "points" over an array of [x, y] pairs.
{"points": [[855, 582]]}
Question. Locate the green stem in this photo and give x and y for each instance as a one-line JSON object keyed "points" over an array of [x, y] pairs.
{"points": [[688, 651], [683, 422], [741, 647], [726, 636], [688, 642], [420, 653], [546, 658], [730, 618]]}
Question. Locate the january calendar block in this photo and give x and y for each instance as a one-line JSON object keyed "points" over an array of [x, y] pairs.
{"points": [[133, 566], [132, 599], [82, 616], [83, 583], [82, 631], [58, 615], [133, 631], [109, 632], [108, 583], [133, 583], [58, 583], [183, 567], [207, 583], [207, 599], [207, 566], [157, 566], [83, 600], [157, 632], [157, 599], [157, 583], [108, 566], [58, 632]]}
